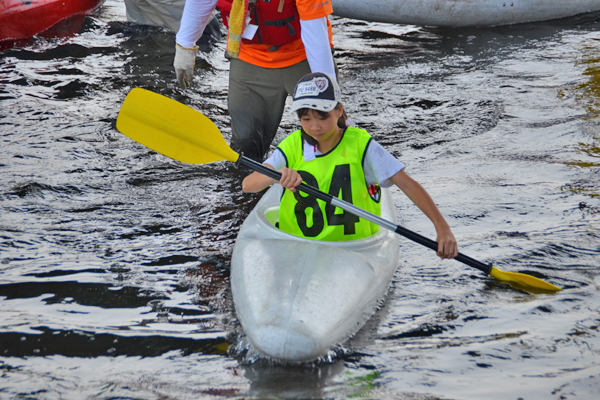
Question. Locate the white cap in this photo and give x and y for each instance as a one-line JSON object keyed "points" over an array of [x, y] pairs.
{"points": [[317, 91]]}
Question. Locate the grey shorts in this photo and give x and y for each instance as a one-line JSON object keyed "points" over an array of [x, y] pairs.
{"points": [[256, 101]]}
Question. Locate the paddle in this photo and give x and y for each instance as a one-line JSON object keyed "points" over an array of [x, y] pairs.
{"points": [[184, 134]]}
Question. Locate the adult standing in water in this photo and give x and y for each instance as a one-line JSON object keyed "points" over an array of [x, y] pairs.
{"points": [[271, 45]]}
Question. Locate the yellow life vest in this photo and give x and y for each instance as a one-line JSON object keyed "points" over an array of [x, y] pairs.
{"points": [[339, 173]]}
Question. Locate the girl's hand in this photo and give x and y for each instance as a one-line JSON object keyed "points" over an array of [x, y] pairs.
{"points": [[290, 178], [447, 246]]}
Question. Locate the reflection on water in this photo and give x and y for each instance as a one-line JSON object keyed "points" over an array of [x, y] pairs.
{"points": [[591, 89], [588, 97], [114, 261]]}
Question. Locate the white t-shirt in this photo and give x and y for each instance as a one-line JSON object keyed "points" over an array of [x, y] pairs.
{"points": [[379, 165]]}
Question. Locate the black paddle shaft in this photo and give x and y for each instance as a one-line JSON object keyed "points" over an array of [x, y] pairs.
{"points": [[415, 237]]}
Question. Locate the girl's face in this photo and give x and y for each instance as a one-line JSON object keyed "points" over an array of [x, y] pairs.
{"points": [[321, 128]]}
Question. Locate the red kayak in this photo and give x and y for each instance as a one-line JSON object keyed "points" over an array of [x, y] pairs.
{"points": [[21, 19]]}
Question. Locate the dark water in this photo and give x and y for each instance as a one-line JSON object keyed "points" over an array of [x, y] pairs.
{"points": [[114, 260]]}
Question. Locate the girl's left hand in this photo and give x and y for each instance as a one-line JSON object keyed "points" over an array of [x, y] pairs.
{"points": [[290, 178], [447, 245]]}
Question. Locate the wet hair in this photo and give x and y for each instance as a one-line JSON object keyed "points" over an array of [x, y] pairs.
{"points": [[341, 123]]}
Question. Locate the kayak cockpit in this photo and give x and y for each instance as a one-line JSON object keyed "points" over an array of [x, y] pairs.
{"points": [[272, 215]]}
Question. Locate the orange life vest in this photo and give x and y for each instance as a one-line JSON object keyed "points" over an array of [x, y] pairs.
{"points": [[278, 21]]}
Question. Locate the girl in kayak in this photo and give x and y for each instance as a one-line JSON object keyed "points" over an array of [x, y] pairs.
{"points": [[343, 161]]}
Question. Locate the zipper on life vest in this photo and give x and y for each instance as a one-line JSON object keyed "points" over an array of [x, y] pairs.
{"points": [[255, 14]]}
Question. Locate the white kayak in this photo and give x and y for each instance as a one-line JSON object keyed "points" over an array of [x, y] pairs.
{"points": [[461, 12], [298, 298], [408, 12]]}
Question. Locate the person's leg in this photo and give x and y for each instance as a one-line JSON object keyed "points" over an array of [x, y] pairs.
{"points": [[256, 100], [255, 95]]}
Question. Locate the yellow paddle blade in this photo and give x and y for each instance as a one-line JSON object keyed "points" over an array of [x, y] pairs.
{"points": [[525, 281], [172, 129]]}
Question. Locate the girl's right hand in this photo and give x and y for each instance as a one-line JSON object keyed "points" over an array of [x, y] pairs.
{"points": [[290, 178]]}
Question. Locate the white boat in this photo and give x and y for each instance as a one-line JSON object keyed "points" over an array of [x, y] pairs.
{"points": [[461, 12], [408, 12], [298, 298]]}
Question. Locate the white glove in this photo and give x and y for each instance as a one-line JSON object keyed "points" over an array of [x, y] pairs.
{"points": [[185, 59]]}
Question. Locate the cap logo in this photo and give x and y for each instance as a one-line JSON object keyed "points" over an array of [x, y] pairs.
{"points": [[312, 88], [321, 83]]}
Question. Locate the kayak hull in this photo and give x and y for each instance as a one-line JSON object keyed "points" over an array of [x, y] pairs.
{"points": [[456, 13], [298, 298], [22, 19], [450, 13]]}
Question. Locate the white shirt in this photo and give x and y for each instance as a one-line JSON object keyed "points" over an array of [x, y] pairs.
{"points": [[379, 165], [195, 17]]}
